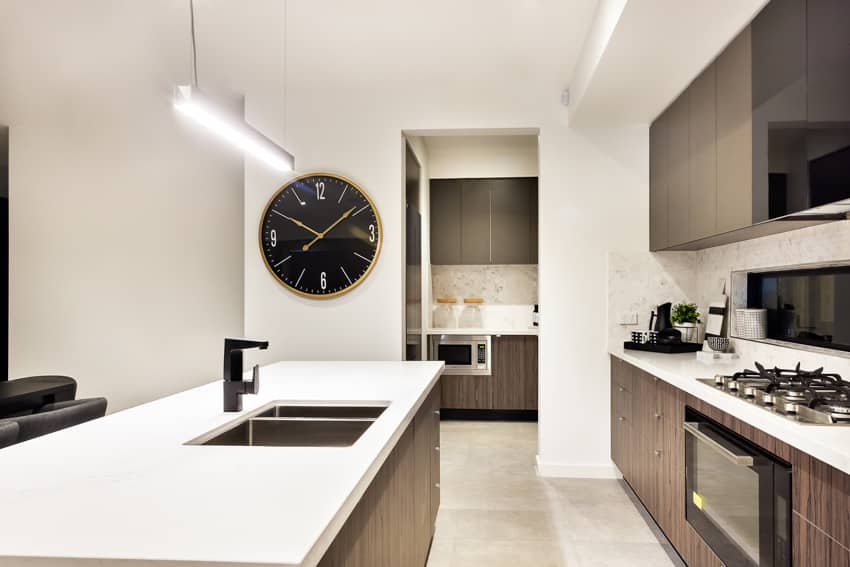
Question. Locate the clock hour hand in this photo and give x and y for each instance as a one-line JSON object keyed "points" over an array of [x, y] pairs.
{"points": [[321, 235], [297, 223]]}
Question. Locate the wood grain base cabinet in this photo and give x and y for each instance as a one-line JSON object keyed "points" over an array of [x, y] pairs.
{"points": [[648, 446], [514, 372], [512, 384], [393, 523]]}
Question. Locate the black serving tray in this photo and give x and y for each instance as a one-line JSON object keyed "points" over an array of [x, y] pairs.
{"points": [[665, 349]]}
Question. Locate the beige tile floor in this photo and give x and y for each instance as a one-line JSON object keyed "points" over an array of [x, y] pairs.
{"points": [[496, 511]]}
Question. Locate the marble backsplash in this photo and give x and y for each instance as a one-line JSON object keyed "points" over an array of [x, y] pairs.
{"points": [[814, 245], [514, 284], [639, 280]]}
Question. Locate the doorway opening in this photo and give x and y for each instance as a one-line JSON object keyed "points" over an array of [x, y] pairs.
{"points": [[4, 251], [471, 274]]}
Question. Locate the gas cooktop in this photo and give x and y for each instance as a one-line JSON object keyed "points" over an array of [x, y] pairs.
{"points": [[805, 396]]}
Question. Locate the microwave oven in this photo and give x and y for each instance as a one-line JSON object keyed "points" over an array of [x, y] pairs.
{"points": [[463, 354]]}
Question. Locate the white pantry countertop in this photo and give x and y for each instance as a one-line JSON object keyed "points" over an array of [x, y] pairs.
{"points": [[484, 331], [828, 443], [125, 487]]}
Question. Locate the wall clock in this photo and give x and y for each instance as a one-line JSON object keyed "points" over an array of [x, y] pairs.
{"points": [[320, 235]]}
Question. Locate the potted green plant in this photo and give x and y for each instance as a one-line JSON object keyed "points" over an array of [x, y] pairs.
{"points": [[685, 318]]}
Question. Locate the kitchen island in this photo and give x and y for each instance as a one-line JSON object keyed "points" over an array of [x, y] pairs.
{"points": [[127, 489]]}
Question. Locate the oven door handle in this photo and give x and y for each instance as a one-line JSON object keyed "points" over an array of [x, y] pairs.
{"points": [[743, 460]]}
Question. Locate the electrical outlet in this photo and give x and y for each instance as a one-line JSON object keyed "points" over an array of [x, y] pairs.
{"points": [[628, 318]]}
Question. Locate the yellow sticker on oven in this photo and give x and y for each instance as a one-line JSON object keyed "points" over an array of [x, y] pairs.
{"points": [[697, 499]]}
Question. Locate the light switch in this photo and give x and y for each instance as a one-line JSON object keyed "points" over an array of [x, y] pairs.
{"points": [[628, 318]]}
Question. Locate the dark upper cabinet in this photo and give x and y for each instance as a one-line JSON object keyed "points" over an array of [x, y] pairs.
{"points": [[476, 226], [678, 170], [780, 181], [513, 213], [828, 134], [801, 106], [658, 209], [484, 221], [780, 125], [702, 159], [445, 221], [734, 135], [828, 61]]}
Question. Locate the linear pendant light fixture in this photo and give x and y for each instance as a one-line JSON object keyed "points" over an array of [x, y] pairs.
{"points": [[191, 102]]}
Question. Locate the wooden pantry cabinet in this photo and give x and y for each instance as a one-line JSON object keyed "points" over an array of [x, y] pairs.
{"points": [[648, 446], [511, 386]]}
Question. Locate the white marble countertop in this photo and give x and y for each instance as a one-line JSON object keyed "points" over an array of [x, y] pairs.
{"points": [[125, 487], [483, 331], [828, 443]]}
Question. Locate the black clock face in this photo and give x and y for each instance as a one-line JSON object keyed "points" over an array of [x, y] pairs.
{"points": [[320, 235]]}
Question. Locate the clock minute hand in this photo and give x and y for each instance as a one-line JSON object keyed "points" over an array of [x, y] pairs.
{"points": [[321, 235]]}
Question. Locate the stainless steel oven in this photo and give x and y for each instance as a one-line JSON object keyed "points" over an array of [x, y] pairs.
{"points": [[737, 496], [463, 354]]}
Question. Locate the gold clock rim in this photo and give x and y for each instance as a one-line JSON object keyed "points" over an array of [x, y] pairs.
{"points": [[360, 280]]}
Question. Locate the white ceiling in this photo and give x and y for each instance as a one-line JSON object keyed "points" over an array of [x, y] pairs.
{"points": [[367, 41], [654, 50]]}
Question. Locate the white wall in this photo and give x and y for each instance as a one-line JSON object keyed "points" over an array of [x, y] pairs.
{"points": [[467, 157], [126, 232], [350, 97]]}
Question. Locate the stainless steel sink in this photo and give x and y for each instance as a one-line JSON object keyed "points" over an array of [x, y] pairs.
{"points": [[294, 424], [324, 411]]}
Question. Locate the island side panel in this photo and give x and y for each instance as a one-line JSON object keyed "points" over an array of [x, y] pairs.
{"points": [[387, 527]]}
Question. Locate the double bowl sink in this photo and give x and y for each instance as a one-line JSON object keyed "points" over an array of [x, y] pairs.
{"points": [[297, 424]]}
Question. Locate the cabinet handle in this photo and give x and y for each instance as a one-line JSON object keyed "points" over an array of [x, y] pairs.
{"points": [[658, 452], [436, 412], [658, 415], [621, 389], [437, 485], [437, 448], [621, 418]]}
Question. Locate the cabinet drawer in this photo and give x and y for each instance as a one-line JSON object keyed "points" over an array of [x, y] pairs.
{"points": [[622, 374], [467, 392], [621, 403], [645, 403]]}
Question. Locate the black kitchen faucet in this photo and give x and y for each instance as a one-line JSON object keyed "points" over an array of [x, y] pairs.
{"points": [[234, 386]]}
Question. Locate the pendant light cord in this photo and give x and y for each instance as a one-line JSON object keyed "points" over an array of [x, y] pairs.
{"points": [[194, 45], [285, 69]]}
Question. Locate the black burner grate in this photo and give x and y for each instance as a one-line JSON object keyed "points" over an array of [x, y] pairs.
{"points": [[814, 388]]}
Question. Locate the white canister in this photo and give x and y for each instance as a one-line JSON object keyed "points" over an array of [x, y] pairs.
{"points": [[751, 323]]}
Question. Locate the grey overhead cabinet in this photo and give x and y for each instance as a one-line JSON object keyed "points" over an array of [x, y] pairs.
{"points": [[658, 144], [699, 150], [678, 198], [828, 61], [475, 224], [734, 131], [445, 221], [780, 172], [484, 221], [759, 143], [702, 158], [513, 214]]}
